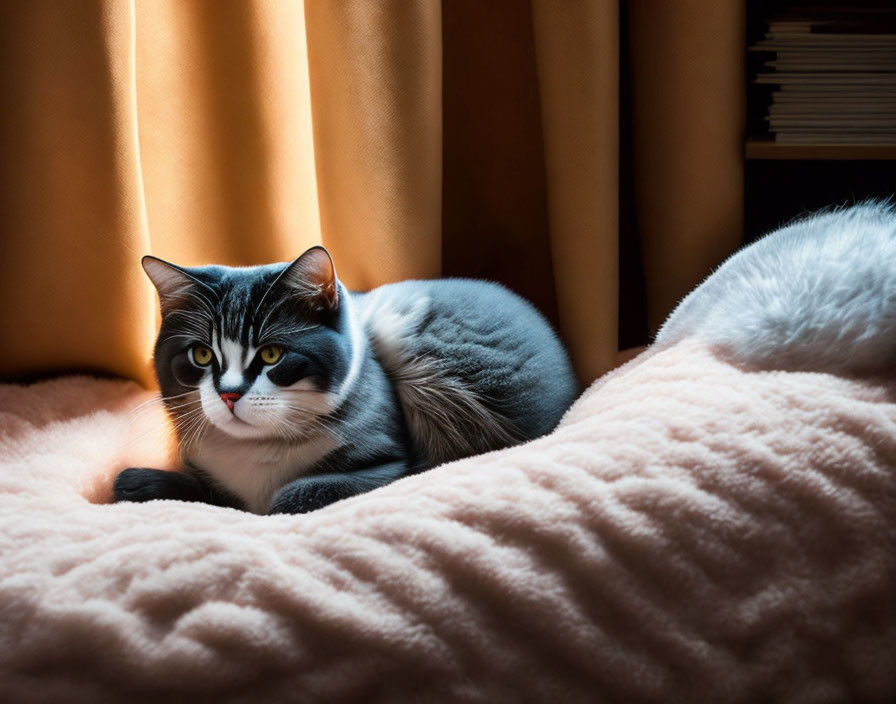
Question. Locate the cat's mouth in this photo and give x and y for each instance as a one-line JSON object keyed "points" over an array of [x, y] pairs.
{"points": [[234, 418], [231, 424]]}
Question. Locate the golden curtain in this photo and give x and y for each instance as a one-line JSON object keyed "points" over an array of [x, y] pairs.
{"points": [[413, 138]]}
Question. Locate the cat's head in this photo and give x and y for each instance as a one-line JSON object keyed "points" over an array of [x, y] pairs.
{"points": [[259, 352]]}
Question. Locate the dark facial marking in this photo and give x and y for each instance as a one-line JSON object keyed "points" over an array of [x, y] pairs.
{"points": [[313, 340], [291, 368], [185, 372]]}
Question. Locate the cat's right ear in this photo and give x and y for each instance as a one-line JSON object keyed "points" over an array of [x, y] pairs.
{"points": [[172, 282]]}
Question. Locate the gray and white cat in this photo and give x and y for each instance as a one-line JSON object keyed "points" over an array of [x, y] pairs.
{"points": [[816, 295], [288, 392]]}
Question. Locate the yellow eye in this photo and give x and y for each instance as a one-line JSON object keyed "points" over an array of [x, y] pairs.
{"points": [[202, 355], [271, 354]]}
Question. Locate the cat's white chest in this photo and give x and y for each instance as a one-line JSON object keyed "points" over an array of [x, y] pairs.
{"points": [[254, 470]]}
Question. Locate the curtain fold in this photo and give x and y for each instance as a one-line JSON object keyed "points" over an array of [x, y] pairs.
{"points": [[577, 45], [688, 72], [225, 132], [376, 88], [494, 187], [413, 138], [71, 199]]}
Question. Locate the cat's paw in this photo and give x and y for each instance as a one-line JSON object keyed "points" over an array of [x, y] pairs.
{"points": [[139, 484], [307, 494]]}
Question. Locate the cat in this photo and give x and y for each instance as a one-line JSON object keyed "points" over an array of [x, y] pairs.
{"points": [[816, 295], [288, 392]]}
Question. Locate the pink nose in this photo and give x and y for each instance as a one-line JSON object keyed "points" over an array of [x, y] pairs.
{"points": [[230, 399]]}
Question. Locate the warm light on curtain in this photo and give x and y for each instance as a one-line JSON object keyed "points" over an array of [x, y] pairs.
{"points": [[414, 139]]}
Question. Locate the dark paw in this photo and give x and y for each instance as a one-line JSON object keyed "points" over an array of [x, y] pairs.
{"points": [[138, 484], [304, 495]]}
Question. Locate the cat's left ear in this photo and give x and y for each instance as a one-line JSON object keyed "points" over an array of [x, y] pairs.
{"points": [[313, 277]]}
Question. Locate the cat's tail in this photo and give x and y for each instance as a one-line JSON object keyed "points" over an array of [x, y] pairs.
{"points": [[447, 419]]}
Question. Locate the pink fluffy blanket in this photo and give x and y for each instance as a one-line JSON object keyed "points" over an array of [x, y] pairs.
{"points": [[691, 532]]}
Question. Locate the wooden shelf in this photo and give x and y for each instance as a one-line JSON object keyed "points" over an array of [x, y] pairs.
{"points": [[760, 148]]}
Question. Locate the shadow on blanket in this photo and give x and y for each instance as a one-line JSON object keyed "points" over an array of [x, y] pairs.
{"points": [[690, 532]]}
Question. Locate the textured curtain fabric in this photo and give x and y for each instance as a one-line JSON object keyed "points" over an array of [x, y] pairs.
{"points": [[414, 139]]}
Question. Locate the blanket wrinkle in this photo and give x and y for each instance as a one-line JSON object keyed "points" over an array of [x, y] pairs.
{"points": [[692, 531]]}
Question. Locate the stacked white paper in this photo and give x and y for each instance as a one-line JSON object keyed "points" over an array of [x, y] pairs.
{"points": [[835, 72]]}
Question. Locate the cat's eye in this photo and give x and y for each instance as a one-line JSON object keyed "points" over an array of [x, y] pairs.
{"points": [[271, 354], [202, 355]]}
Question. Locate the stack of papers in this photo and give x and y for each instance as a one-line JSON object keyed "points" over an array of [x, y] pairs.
{"points": [[833, 76]]}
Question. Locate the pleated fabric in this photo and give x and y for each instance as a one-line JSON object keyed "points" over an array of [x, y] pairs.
{"points": [[413, 138]]}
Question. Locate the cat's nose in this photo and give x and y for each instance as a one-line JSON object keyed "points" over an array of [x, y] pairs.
{"points": [[230, 398]]}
